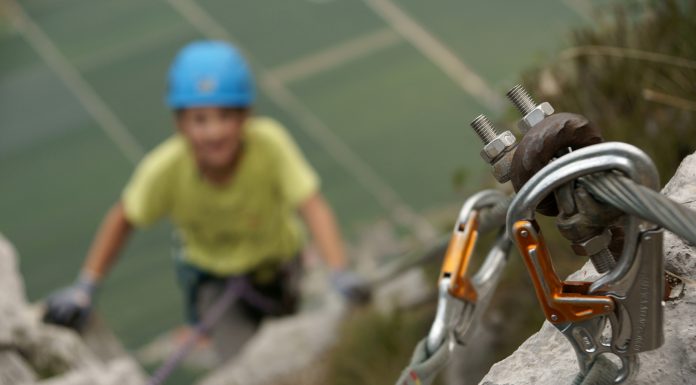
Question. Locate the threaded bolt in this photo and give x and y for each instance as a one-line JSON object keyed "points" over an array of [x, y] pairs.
{"points": [[603, 261], [484, 129], [521, 99]]}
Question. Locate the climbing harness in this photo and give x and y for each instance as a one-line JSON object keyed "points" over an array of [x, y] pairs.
{"points": [[461, 299], [629, 296]]}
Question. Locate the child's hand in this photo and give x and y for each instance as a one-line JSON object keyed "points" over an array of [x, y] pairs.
{"points": [[351, 285], [71, 306]]}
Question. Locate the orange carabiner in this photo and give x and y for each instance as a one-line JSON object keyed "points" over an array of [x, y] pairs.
{"points": [[458, 257], [561, 301], [461, 298]]}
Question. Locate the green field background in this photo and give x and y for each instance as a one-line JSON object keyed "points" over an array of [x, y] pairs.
{"points": [[394, 108]]}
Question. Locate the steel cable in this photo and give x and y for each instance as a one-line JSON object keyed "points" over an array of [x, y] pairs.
{"points": [[635, 199], [494, 216]]}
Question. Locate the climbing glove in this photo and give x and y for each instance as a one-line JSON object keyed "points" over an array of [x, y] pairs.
{"points": [[71, 306], [352, 286]]}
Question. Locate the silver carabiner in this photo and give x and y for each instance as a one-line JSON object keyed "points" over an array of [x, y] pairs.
{"points": [[629, 296], [461, 300]]}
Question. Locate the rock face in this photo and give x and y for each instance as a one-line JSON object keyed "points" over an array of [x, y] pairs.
{"points": [[547, 357], [34, 353]]}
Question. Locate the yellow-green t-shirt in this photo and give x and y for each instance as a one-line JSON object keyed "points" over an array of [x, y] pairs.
{"points": [[231, 228]]}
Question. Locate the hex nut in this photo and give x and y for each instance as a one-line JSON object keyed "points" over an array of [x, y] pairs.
{"points": [[593, 245], [502, 167], [497, 146], [535, 116]]}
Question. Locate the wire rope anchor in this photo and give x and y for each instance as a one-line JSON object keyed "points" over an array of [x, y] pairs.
{"points": [[629, 297], [592, 240]]}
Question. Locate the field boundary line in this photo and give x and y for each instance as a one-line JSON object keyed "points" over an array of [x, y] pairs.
{"points": [[336, 56], [437, 52], [386, 196], [110, 124], [90, 61]]}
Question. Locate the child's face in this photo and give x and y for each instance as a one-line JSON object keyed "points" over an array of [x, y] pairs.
{"points": [[214, 133]]}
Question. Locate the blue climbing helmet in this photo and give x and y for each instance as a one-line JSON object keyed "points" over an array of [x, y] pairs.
{"points": [[209, 73]]}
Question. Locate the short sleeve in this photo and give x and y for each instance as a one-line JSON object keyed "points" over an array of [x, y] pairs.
{"points": [[147, 195], [298, 180]]}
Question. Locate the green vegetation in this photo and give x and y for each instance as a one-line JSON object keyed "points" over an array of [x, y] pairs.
{"points": [[374, 348], [633, 75]]}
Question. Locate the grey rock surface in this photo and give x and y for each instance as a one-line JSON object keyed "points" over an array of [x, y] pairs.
{"points": [[11, 284], [12, 297], [547, 358], [32, 352], [15, 370], [681, 259], [121, 371]]}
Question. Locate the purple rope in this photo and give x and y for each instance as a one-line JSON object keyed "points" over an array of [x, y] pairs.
{"points": [[259, 301], [235, 288]]}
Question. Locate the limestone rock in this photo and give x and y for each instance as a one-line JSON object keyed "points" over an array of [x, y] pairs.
{"points": [[681, 258], [11, 285], [12, 297], [122, 371], [547, 357], [15, 370], [32, 351]]}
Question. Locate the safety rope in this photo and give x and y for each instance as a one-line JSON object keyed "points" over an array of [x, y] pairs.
{"points": [[494, 216], [235, 288], [635, 199]]}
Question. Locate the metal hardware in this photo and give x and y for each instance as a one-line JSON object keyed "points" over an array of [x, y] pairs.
{"points": [[629, 296], [532, 112], [462, 300], [498, 147]]}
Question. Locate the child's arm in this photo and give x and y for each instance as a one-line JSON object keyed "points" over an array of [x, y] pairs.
{"points": [[71, 306], [107, 243], [322, 224], [320, 219]]}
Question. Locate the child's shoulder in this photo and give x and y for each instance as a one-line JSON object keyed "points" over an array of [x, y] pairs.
{"points": [[166, 155], [266, 130], [264, 126]]}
